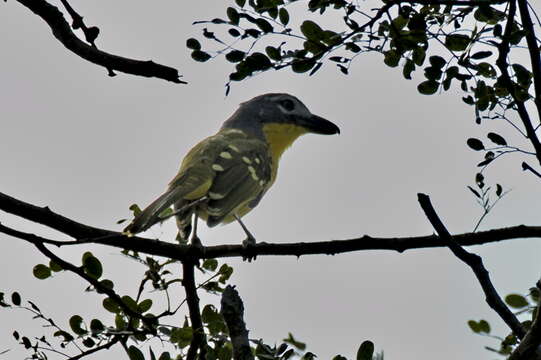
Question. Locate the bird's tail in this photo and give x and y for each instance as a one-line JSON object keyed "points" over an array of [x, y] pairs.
{"points": [[151, 214]]}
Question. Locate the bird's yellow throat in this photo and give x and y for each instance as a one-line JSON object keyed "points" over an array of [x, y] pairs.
{"points": [[280, 137]]}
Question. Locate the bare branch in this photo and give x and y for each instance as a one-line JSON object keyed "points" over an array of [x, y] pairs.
{"points": [[526, 166], [454, 2], [233, 312], [475, 262], [501, 62], [62, 31], [533, 50], [198, 339], [38, 242], [532, 341], [90, 235]]}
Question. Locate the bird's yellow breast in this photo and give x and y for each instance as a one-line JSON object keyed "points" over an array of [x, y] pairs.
{"points": [[280, 137]]}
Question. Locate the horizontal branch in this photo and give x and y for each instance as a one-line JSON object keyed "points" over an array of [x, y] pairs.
{"points": [[85, 234], [453, 2], [63, 32]]}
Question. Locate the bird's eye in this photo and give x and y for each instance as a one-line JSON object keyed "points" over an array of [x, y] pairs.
{"points": [[288, 104]]}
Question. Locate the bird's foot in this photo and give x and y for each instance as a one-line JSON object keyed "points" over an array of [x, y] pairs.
{"points": [[249, 246]]}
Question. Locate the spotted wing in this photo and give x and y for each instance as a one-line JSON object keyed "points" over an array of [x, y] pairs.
{"points": [[243, 172]]}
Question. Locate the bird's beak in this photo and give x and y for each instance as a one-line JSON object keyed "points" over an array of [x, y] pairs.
{"points": [[318, 125]]}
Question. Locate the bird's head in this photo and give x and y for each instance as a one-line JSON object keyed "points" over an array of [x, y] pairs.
{"points": [[279, 119]]}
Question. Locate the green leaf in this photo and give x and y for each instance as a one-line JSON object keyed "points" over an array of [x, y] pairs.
{"points": [[89, 342], [135, 354], [54, 266], [130, 303], [233, 16], [474, 326], [92, 265], [484, 326], [418, 56], [302, 66], [481, 55], [96, 326], [41, 271], [76, 323], [273, 53], [516, 301], [366, 350], [165, 356], [264, 25], [193, 44], [475, 144], [181, 336], [225, 273], [145, 305], [283, 15], [16, 298], [311, 30], [294, 342], [497, 139], [457, 42], [235, 56], [66, 335], [210, 264], [240, 2], [437, 61], [428, 87], [135, 209], [408, 68], [200, 56], [391, 58], [111, 305]]}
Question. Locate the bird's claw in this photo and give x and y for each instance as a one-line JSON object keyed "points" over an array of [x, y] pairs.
{"points": [[249, 245]]}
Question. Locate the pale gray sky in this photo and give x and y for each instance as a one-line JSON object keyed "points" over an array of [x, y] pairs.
{"points": [[88, 146]]}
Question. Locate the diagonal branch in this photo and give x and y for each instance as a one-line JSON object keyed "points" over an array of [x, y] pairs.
{"points": [[198, 339], [62, 31], [533, 51], [38, 242], [532, 341], [501, 62], [475, 262], [232, 310]]}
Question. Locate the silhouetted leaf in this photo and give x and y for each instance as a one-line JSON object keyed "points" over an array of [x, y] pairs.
{"points": [[283, 15], [235, 56], [475, 192], [135, 354], [233, 16], [499, 190], [457, 42], [475, 144], [76, 323], [497, 139], [193, 44], [16, 298], [200, 56], [41, 271], [366, 350], [428, 87]]}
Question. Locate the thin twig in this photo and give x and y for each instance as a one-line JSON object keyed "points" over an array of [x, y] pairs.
{"points": [[475, 262], [525, 167], [63, 32]]}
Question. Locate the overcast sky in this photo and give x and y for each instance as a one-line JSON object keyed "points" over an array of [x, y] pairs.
{"points": [[88, 146]]}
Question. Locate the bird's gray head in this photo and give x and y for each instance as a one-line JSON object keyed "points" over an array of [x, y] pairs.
{"points": [[277, 111]]}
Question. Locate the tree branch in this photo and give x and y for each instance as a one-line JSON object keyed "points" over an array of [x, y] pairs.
{"points": [[501, 62], [62, 31], [233, 312], [39, 242], [475, 262], [90, 235], [454, 2], [533, 51], [532, 341], [198, 339]]}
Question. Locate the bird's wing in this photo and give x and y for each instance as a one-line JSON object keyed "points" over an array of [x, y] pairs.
{"points": [[191, 183], [243, 172], [231, 170]]}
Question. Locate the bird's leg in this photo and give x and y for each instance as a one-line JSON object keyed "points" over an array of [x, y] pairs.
{"points": [[249, 242], [195, 241]]}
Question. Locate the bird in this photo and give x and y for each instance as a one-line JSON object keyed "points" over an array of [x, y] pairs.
{"points": [[226, 175]]}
